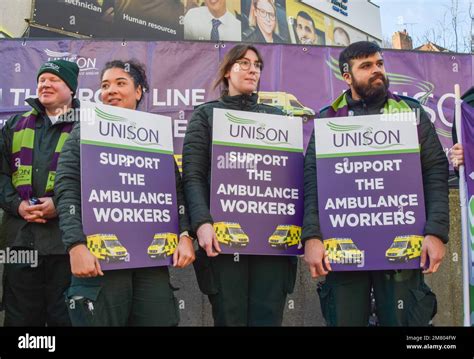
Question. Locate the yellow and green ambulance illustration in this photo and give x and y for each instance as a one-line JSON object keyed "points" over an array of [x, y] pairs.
{"points": [[164, 244], [404, 248], [231, 233], [286, 102], [286, 236], [107, 247], [343, 251]]}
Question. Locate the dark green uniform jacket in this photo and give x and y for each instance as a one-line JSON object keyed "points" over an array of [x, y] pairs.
{"points": [[15, 231]]}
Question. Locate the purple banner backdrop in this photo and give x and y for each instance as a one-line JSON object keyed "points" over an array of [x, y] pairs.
{"points": [[144, 19], [181, 75], [137, 232]]}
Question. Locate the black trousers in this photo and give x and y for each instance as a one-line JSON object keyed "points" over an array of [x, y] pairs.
{"points": [[250, 291], [127, 297], [35, 296], [402, 298]]}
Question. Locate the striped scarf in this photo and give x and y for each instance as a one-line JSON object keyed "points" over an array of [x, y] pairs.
{"points": [[340, 107], [22, 155]]}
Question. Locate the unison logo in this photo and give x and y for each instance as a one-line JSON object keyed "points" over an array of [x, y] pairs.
{"points": [[119, 127], [84, 63], [50, 65], [250, 129], [357, 136]]}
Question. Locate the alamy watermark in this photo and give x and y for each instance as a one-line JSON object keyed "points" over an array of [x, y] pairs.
{"points": [[401, 115], [342, 257], [28, 341], [19, 256]]}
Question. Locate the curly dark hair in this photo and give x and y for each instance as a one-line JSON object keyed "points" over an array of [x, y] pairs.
{"points": [[135, 69]]}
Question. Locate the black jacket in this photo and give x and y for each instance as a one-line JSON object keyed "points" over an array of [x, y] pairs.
{"points": [[434, 172], [256, 36], [197, 152]]}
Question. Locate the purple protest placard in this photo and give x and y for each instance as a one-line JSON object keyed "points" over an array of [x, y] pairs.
{"points": [[468, 144], [129, 209], [257, 183], [370, 191]]}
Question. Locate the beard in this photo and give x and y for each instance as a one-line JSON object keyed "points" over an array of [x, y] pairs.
{"points": [[369, 91]]}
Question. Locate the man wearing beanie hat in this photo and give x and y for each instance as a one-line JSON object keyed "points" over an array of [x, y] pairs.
{"points": [[30, 145], [65, 70]]}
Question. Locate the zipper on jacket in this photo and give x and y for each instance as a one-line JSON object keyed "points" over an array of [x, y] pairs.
{"points": [[364, 108], [243, 103]]}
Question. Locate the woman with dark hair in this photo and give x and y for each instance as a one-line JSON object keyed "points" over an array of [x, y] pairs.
{"points": [[251, 291], [126, 297]]}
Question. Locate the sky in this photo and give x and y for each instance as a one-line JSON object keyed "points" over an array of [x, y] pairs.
{"points": [[418, 16]]}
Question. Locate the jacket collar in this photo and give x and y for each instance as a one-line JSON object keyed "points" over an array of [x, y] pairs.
{"points": [[375, 104], [38, 106], [240, 102]]}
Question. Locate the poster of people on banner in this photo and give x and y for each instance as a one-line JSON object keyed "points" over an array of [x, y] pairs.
{"points": [[467, 113], [264, 21], [310, 26], [257, 183], [129, 202], [370, 191], [144, 19], [213, 20]]}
